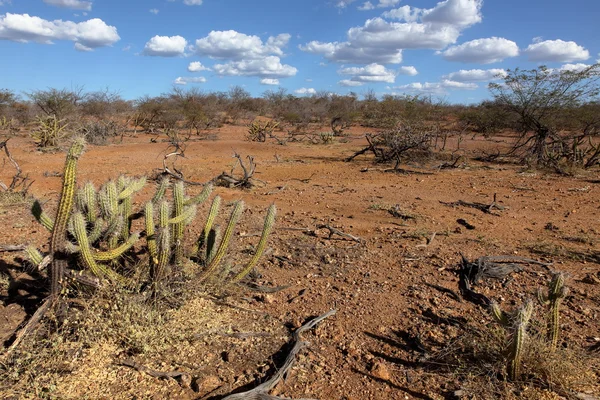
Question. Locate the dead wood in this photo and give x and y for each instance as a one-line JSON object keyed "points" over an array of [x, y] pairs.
{"points": [[173, 171], [246, 181], [335, 231], [19, 181], [12, 247], [486, 208], [183, 378], [261, 392], [29, 326], [397, 213]]}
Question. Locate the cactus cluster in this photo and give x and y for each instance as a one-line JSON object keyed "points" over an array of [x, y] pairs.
{"points": [[259, 130], [552, 299], [516, 326], [92, 230], [50, 131]]}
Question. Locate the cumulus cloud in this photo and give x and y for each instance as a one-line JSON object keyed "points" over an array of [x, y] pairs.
{"points": [[441, 87], [343, 3], [239, 46], [482, 51], [382, 4], [476, 75], [574, 67], [73, 4], [349, 83], [154, 11], [165, 46], [184, 80], [305, 91], [196, 66], [382, 41], [89, 34], [408, 70], [370, 73], [267, 67], [556, 50], [269, 81], [247, 55], [192, 2]]}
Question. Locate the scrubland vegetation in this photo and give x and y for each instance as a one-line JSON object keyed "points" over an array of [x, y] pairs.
{"points": [[130, 273]]}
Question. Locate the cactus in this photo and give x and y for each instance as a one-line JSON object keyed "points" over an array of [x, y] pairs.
{"points": [[222, 249], [262, 243], [41, 216], [516, 325], [556, 293]]}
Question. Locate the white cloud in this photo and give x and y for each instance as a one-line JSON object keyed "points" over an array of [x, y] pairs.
{"points": [[476, 75], [73, 4], [370, 73], [441, 87], [80, 47], [24, 28], [404, 13], [556, 50], [239, 46], [269, 81], [574, 67], [305, 91], [482, 51], [267, 67], [461, 13], [165, 46], [382, 41], [5, 2], [192, 2], [154, 11], [349, 83], [343, 3], [382, 4], [189, 79], [196, 66], [408, 70]]}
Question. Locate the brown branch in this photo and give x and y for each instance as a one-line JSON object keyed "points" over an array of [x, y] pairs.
{"points": [[335, 231], [261, 392], [182, 377]]}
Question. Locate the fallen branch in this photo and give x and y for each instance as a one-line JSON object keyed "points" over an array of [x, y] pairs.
{"points": [[12, 247], [183, 378], [335, 231], [245, 181], [261, 392], [486, 208]]}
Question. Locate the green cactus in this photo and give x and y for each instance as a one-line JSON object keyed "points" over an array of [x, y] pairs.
{"points": [[41, 216], [178, 226], [556, 293], [238, 208], [161, 190], [262, 243], [210, 220], [63, 213], [516, 326]]}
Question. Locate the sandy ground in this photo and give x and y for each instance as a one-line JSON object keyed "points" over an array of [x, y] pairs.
{"points": [[385, 287]]}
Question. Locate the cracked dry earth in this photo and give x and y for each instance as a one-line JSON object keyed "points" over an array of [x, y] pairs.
{"points": [[398, 283]]}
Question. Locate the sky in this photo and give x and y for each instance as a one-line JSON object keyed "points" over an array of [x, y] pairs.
{"points": [[448, 49]]}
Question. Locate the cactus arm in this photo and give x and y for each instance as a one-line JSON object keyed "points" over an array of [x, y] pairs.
{"points": [[161, 190], [201, 198], [132, 187], [220, 253], [260, 248], [59, 231], [117, 252], [210, 220], [41, 216], [150, 234], [35, 257]]}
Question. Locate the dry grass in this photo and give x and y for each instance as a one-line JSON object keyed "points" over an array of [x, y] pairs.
{"points": [[76, 357]]}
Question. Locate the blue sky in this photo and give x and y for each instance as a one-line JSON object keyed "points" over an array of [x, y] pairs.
{"points": [[449, 49]]}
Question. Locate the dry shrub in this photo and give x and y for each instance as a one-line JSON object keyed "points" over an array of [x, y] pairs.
{"points": [[477, 361]]}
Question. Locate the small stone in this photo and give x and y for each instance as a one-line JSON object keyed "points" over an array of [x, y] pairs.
{"points": [[379, 370], [206, 384]]}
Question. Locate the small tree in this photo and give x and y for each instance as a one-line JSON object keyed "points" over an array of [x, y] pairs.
{"points": [[540, 98]]}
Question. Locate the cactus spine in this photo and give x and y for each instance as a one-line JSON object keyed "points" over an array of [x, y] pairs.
{"points": [[517, 328], [556, 293], [260, 248], [59, 231]]}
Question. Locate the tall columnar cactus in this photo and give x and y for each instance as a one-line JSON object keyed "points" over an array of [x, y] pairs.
{"points": [[59, 231], [556, 293], [516, 326]]}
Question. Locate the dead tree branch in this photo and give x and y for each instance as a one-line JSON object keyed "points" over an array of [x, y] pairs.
{"points": [[261, 392]]}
